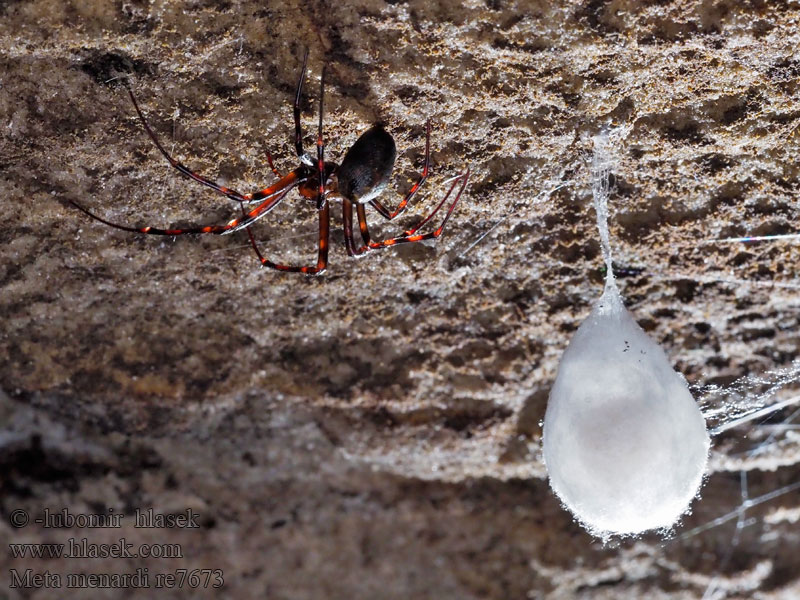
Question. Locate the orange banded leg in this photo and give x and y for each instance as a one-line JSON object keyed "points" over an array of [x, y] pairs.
{"points": [[362, 223], [322, 251], [230, 193], [234, 225], [419, 225], [322, 260], [321, 146], [385, 212], [272, 165], [411, 237]]}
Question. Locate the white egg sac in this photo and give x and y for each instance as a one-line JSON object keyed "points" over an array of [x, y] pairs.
{"points": [[625, 444]]}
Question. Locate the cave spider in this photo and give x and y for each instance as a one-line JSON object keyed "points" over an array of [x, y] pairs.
{"points": [[359, 180]]}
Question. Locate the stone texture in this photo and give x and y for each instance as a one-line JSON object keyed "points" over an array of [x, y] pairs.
{"points": [[374, 432]]}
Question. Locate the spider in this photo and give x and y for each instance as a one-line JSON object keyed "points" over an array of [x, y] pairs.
{"points": [[361, 177]]}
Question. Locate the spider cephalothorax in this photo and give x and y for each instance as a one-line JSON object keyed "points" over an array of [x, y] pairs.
{"points": [[360, 178]]}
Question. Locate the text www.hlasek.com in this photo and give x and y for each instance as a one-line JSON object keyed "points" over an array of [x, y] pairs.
{"points": [[82, 548]]}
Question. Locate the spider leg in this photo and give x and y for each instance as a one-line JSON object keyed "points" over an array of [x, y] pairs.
{"points": [[419, 225], [272, 165], [347, 225], [273, 195], [322, 258], [323, 206], [321, 146], [324, 235], [410, 236], [230, 193], [362, 223], [322, 203], [322, 251], [385, 212], [250, 233], [298, 131]]}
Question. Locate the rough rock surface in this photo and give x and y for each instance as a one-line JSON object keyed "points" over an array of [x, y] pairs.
{"points": [[374, 432]]}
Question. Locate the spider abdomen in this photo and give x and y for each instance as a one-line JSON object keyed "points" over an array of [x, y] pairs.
{"points": [[367, 166]]}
